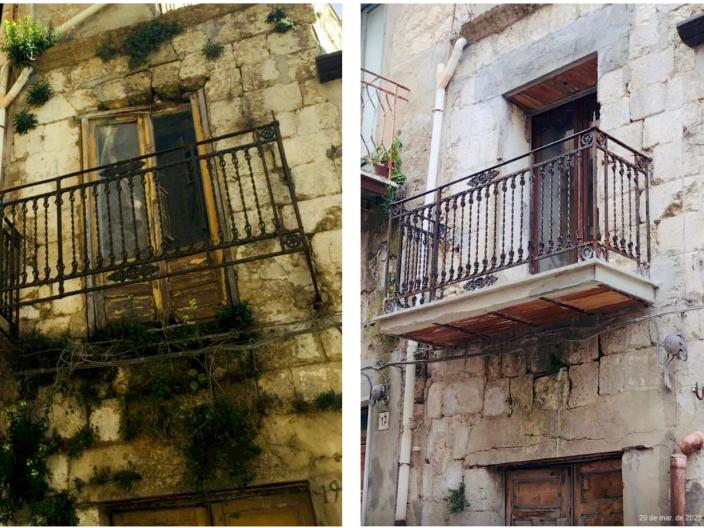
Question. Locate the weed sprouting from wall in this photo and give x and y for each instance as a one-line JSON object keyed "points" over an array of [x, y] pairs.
{"points": [[143, 40], [213, 50], [328, 401], [220, 437], [74, 446], [125, 479], [24, 122], [280, 20], [39, 93], [26, 39], [106, 52], [456, 501]]}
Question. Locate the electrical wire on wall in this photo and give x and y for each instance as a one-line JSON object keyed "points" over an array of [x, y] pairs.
{"points": [[81, 356], [565, 334]]}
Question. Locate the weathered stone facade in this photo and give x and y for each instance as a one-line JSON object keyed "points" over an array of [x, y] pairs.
{"points": [[472, 415], [259, 72]]}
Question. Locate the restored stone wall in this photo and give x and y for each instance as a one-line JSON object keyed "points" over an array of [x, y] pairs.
{"points": [[472, 414], [260, 72]]}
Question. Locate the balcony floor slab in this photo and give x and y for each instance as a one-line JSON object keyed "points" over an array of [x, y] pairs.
{"points": [[585, 289]]}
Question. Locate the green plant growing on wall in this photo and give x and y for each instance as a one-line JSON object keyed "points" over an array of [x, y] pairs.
{"points": [[220, 436], [26, 39], [328, 401], [129, 330], [24, 122], [147, 38], [456, 501], [397, 176], [106, 52], [281, 21], [100, 476], [74, 446], [556, 364], [213, 50], [236, 317], [199, 380], [39, 93], [56, 509], [24, 472], [125, 479]]}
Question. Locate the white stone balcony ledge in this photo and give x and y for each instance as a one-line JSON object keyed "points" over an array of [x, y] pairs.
{"points": [[585, 289]]}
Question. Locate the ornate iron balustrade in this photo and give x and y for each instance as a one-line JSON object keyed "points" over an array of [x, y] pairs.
{"points": [[379, 99], [112, 225], [579, 198]]}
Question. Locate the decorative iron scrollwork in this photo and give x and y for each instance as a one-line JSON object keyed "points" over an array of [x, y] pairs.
{"points": [[480, 282], [600, 138], [266, 133], [482, 178], [292, 241], [587, 139], [140, 271], [389, 306], [587, 252], [642, 163]]}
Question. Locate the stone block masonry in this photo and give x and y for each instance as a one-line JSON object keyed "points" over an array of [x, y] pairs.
{"points": [[259, 72]]}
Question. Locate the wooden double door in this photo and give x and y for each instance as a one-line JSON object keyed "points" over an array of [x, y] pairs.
{"points": [[279, 509], [578, 494], [168, 208]]}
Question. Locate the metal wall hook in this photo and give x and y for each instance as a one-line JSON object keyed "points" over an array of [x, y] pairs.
{"points": [[699, 394]]}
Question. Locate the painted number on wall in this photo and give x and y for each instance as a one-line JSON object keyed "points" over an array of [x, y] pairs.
{"points": [[383, 421]]}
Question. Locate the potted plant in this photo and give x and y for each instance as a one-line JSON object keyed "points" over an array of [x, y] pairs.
{"points": [[381, 158], [380, 161]]}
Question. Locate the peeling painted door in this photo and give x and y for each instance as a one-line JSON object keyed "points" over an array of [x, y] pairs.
{"points": [[176, 197], [582, 494]]}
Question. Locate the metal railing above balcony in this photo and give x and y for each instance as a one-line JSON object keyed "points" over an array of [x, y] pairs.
{"points": [[112, 225], [583, 197], [379, 99]]}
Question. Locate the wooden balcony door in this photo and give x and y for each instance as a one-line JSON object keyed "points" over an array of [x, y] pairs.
{"points": [[127, 226], [581, 494], [561, 205]]}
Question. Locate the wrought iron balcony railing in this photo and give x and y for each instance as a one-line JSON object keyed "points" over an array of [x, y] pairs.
{"points": [[113, 225], [379, 99], [579, 198]]}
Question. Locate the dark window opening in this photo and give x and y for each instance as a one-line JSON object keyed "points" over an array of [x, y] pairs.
{"points": [[180, 184]]}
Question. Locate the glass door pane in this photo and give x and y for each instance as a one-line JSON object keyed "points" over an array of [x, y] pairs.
{"points": [[121, 198]]}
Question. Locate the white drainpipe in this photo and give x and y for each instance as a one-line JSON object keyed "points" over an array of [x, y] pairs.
{"points": [[443, 77]]}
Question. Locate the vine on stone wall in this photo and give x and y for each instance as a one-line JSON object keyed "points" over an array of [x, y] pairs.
{"points": [[24, 473], [217, 434]]}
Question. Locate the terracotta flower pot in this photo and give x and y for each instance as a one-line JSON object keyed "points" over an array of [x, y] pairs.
{"points": [[381, 169]]}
